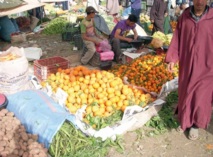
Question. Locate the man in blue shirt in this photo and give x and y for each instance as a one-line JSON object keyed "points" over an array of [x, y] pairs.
{"points": [[136, 9]]}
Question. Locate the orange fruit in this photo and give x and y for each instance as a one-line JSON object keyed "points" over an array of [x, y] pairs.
{"points": [[88, 109], [96, 85], [72, 109], [109, 108]]}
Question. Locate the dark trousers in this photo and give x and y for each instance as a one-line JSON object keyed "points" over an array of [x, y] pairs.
{"points": [[118, 44]]}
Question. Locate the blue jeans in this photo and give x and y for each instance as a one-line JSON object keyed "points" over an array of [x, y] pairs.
{"points": [[137, 12]]}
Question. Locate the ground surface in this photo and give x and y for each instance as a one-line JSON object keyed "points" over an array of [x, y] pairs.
{"points": [[137, 143]]}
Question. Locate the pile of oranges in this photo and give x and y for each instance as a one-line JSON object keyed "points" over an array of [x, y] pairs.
{"points": [[147, 71], [101, 91]]}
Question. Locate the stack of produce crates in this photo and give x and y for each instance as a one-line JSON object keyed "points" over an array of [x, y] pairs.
{"points": [[69, 31], [44, 67]]}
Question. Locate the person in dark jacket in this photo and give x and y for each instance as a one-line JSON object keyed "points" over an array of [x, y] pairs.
{"points": [[158, 11]]}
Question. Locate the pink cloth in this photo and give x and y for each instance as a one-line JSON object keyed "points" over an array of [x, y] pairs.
{"points": [[192, 47], [107, 56]]}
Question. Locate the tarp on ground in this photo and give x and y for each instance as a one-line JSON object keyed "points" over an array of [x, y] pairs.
{"points": [[39, 114], [26, 5]]}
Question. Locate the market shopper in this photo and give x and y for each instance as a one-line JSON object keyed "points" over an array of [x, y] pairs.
{"points": [[158, 11], [118, 36], [191, 46], [136, 9], [89, 35]]}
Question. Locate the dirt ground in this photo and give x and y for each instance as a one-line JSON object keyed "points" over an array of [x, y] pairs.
{"points": [[136, 143]]}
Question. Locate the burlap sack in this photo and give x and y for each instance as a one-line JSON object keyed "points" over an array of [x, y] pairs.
{"points": [[156, 43]]}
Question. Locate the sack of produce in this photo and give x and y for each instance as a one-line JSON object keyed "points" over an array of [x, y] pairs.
{"points": [[156, 43], [13, 70]]}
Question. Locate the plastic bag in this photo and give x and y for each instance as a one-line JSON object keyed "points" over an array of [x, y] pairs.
{"points": [[39, 114], [104, 46]]}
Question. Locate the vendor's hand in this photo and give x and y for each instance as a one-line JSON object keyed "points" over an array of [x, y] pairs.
{"points": [[136, 38], [170, 67], [100, 37], [152, 21], [129, 39]]}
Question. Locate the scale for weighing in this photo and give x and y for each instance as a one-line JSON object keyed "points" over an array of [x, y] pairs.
{"points": [[141, 43], [3, 101]]}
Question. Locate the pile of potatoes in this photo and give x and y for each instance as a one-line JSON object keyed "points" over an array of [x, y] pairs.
{"points": [[15, 142]]}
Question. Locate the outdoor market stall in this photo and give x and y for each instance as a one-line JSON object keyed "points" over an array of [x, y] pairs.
{"points": [[77, 110]]}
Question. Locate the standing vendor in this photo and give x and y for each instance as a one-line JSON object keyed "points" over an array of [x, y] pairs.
{"points": [[191, 47], [89, 35], [118, 36], [157, 13]]}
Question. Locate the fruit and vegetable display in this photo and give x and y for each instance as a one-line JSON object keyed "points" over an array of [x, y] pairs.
{"points": [[144, 18], [147, 71], [104, 94], [15, 141], [55, 26], [70, 141], [165, 39]]}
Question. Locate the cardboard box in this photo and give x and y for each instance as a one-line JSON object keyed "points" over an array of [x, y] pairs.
{"points": [[131, 54]]}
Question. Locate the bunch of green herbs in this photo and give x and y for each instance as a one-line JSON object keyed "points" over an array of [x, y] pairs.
{"points": [[165, 120]]}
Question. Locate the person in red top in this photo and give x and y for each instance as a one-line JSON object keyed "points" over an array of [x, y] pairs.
{"points": [[191, 46]]}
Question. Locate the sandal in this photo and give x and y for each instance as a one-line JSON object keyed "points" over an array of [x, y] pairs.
{"points": [[179, 129], [193, 133]]}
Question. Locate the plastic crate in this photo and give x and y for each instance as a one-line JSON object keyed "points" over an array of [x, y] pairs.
{"points": [[78, 41], [44, 67]]}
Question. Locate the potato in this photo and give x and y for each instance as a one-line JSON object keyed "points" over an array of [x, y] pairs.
{"points": [[42, 154], [22, 128], [25, 154], [2, 133], [24, 136], [12, 145], [9, 127], [10, 114], [5, 138], [12, 155], [34, 151], [4, 153], [5, 111], [2, 114], [21, 152], [30, 141], [3, 143], [16, 121], [1, 148], [16, 152], [23, 147], [35, 137]]}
